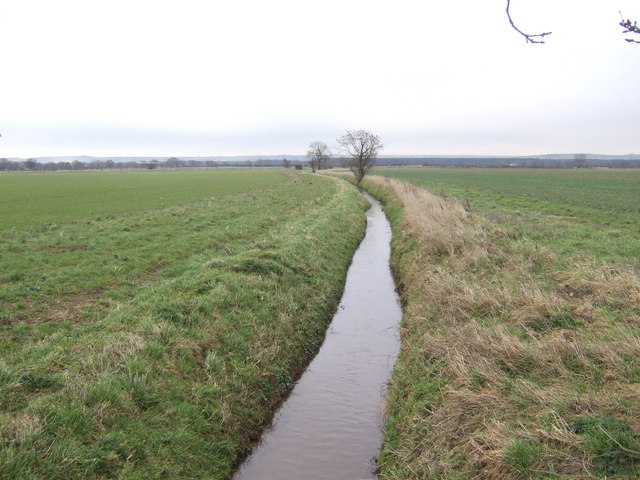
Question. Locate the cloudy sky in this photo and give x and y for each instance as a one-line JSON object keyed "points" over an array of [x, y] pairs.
{"points": [[213, 77]]}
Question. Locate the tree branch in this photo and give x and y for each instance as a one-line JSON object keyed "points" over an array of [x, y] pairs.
{"points": [[535, 38], [630, 28]]}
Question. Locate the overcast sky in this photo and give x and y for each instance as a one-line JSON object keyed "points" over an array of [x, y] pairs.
{"points": [[234, 77]]}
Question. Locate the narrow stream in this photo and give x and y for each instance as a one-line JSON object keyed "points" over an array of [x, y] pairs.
{"points": [[331, 425]]}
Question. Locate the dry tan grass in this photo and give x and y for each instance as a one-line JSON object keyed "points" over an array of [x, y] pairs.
{"points": [[19, 428], [479, 325]]}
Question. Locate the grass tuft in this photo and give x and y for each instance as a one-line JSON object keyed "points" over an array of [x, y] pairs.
{"points": [[522, 455]]}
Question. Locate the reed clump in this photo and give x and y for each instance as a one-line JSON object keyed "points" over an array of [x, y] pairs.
{"points": [[507, 346]]}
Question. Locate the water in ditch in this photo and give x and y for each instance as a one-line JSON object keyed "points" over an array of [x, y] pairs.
{"points": [[331, 425]]}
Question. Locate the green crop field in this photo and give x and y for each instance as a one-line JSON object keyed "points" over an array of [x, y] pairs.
{"points": [[578, 210], [151, 322], [34, 199], [521, 336], [616, 191]]}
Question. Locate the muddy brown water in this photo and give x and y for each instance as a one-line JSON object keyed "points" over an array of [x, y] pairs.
{"points": [[331, 425]]}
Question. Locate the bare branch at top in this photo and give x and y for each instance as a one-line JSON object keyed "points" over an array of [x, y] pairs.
{"points": [[530, 38], [630, 27]]}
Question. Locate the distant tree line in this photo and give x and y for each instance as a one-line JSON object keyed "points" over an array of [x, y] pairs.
{"points": [[577, 161], [32, 164]]}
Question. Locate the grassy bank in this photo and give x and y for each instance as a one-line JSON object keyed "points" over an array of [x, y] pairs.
{"points": [[157, 343], [521, 355]]}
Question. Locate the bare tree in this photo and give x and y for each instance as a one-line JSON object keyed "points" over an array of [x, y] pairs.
{"points": [[318, 155], [286, 162], [31, 164], [172, 162], [627, 25], [580, 160], [363, 147]]}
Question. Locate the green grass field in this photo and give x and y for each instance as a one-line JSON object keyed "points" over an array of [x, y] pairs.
{"points": [[610, 191], [573, 211], [521, 335], [36, 199], [151, 322]]}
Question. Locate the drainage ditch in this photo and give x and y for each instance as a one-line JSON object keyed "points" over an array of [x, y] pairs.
{"points": [[331, 426]]}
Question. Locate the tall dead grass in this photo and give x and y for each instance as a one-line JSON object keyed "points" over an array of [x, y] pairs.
{"points": [[504, 345]]}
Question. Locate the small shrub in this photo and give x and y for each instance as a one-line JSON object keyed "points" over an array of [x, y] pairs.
{"points": [[284, 380], [608, 437]]}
